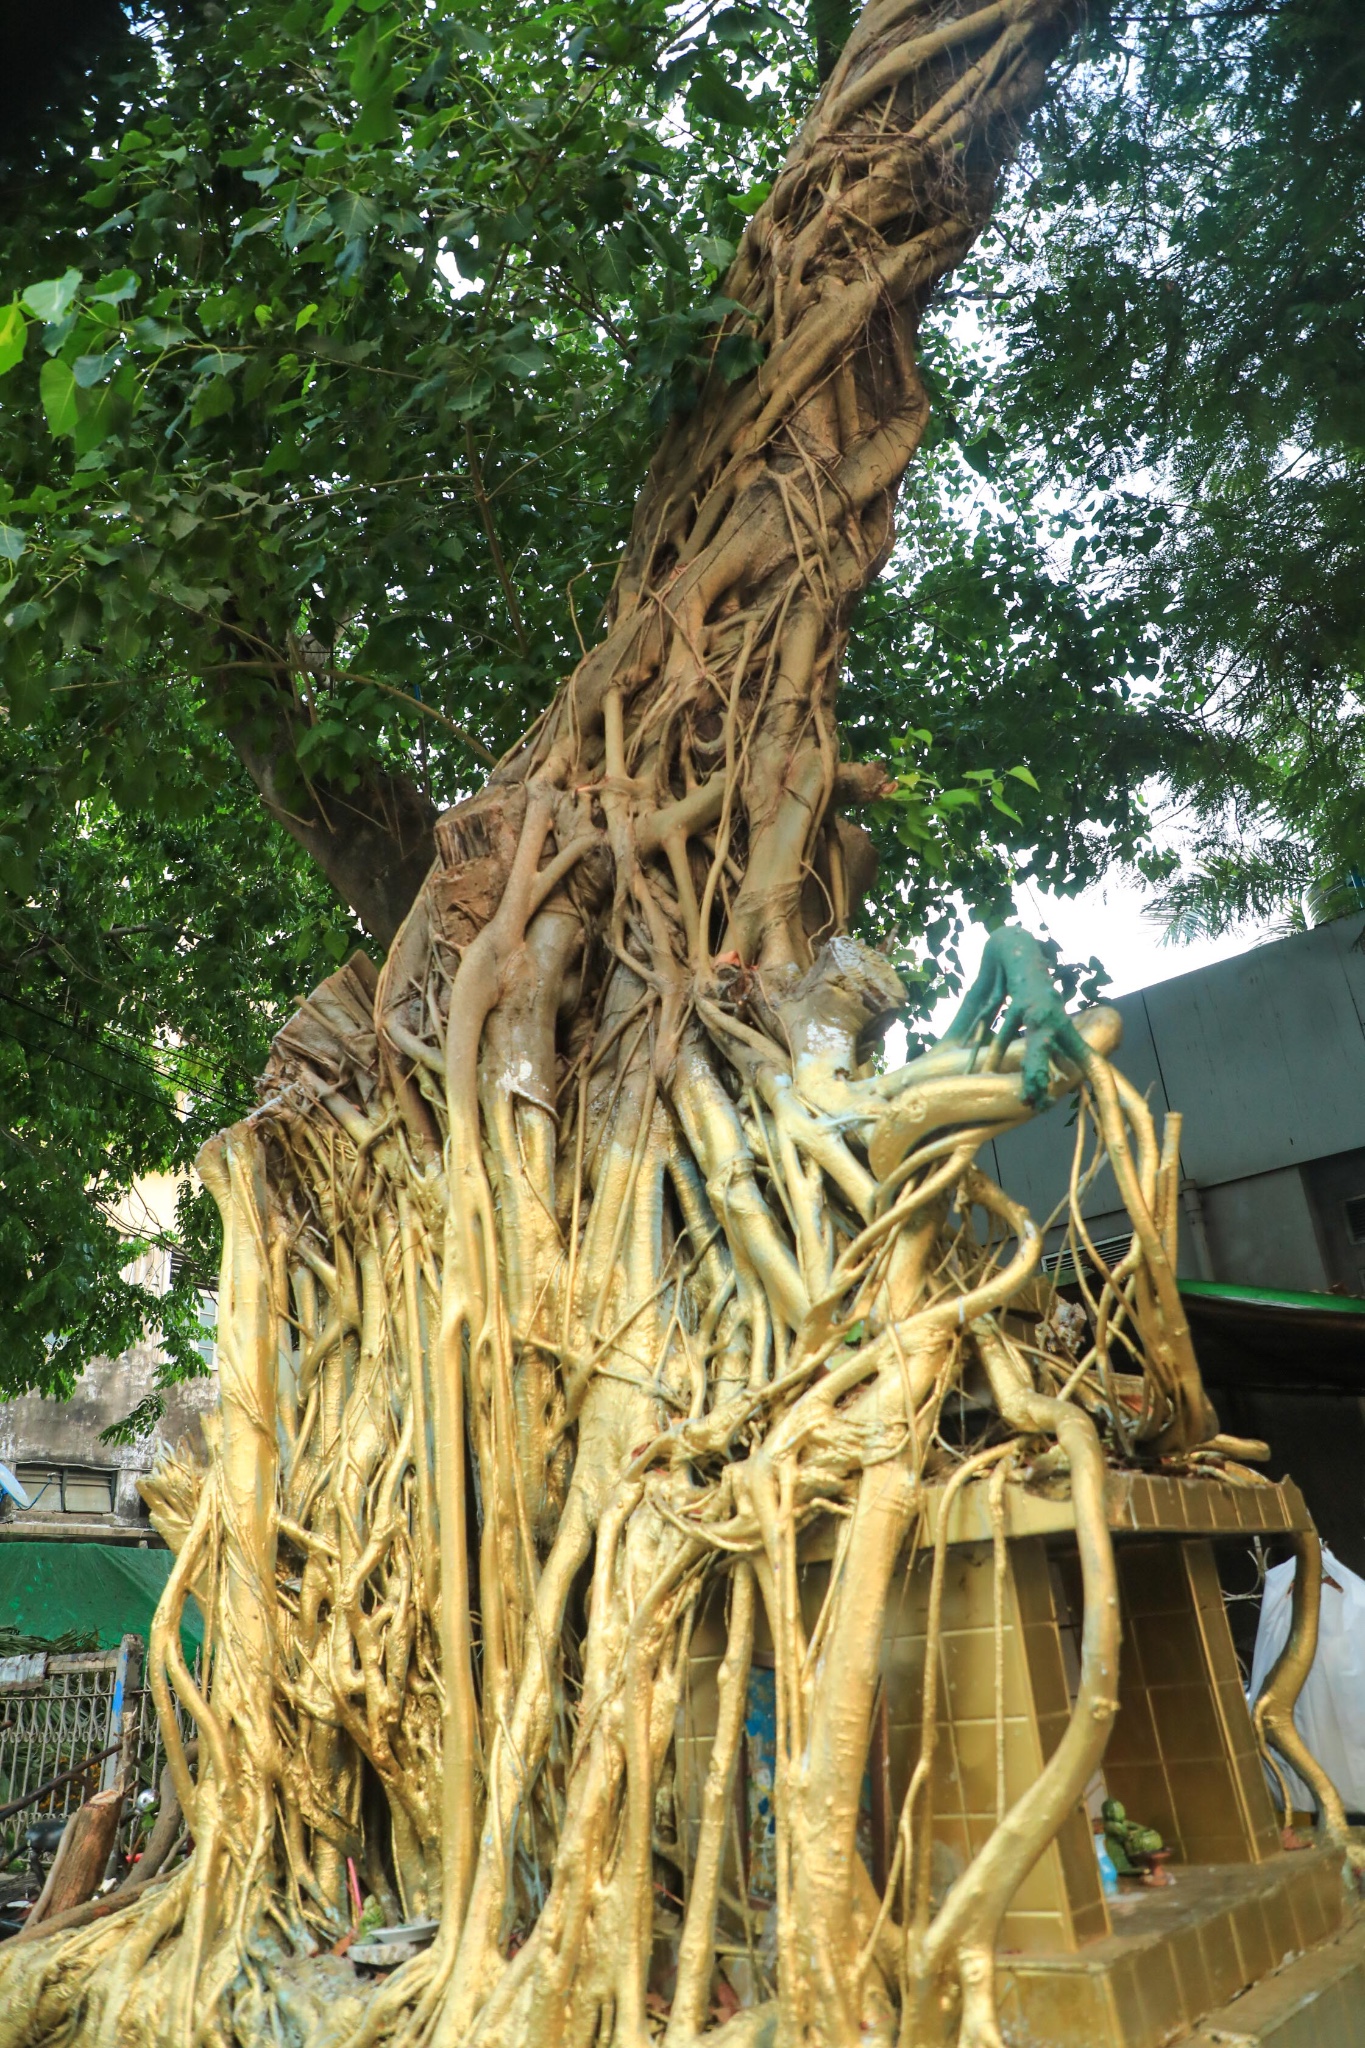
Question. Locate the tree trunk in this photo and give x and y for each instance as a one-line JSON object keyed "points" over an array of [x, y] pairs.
{"points": [[84, 1853], [372, 841], [578, 1263]]}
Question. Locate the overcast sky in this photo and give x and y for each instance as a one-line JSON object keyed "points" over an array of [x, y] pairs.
{"points": [[1106, 920]]}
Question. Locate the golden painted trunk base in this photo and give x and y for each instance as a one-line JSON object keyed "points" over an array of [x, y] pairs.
{"points": [[581, 1261]]}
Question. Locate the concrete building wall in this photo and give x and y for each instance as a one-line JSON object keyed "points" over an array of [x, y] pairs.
{"points": [[1264, 1056], [1336, 1192], [35, 1430], [65, 1435], [1261, 1229]]}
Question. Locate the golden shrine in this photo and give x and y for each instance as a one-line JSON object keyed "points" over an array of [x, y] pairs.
{"points": [[1253, 1944]]}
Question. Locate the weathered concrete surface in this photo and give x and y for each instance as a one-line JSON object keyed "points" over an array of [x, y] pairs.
{"points": [[35, 1430]]}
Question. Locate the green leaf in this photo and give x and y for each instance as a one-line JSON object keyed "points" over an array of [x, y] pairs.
{"points": [[57, 389], [13, 541], [352, 214], [13, 336], [377, 121], [97, 419], [113, 289], [715, 99], [750, 201], [49, 300], [1022, 774], [88, 370], [715, 250], [159, 333], [215, 398], [309, 312], [738, 354]]}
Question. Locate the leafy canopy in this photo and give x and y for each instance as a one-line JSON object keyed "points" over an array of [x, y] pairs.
{"points": [[1177, 302], [332, 339]]}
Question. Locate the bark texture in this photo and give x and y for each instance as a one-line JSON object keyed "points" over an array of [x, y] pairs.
{"points": [[373, 841]]}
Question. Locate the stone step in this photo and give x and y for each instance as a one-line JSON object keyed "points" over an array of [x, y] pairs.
{"points": [[1174, 1955], [1317, 2001]]}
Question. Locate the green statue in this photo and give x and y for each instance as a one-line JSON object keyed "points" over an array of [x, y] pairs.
{"points": [[1131, 1846]]}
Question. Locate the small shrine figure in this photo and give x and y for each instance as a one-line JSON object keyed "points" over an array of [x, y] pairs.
{"points": [[1064, 1333], [1135, 1850]]}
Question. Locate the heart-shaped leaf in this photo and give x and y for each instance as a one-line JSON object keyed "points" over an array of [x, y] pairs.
{"points": [[13, 335], [57, 388], [49, 300]]}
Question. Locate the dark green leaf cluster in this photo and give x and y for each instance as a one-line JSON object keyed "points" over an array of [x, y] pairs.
{"points": [[1178, 300], [151, 941], [333, 338]]}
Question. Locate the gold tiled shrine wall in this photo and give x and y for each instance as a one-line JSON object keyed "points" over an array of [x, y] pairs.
{"points": [[1182, 1756], [1060, 1902]]}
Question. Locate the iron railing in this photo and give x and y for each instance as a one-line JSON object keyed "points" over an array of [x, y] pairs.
{"points": [[52, 1721]]}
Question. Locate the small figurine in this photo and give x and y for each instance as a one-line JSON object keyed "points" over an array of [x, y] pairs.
{"points": [[1064, 1332], [1135, 1851]]}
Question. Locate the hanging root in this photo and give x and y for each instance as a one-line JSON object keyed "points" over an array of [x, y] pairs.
{"points": [[578, 1267], [1273, 1713]]}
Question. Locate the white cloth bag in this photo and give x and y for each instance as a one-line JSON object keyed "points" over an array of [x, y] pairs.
{"points": [[1330, 1715]]}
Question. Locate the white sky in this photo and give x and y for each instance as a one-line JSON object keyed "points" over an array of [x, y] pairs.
{"points": [[1107, 920]]}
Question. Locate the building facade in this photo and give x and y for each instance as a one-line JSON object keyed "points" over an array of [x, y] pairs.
{"points": [[80, 1486], [1264, 1057]]}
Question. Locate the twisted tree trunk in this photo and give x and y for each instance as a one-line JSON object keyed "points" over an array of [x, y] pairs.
{"points": [[579, 1262]]}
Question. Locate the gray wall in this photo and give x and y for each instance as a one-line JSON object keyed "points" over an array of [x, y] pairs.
{"points": [[1265, 1057], [1331, 1184], [34, 1429]]}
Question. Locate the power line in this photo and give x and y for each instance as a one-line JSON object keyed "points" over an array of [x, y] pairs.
{"points": [[110, 1033], [214, 1097]]}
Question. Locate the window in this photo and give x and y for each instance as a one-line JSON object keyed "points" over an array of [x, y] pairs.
{"points": [[207, 1347], [88, 1493], [1355, 1219], [67, 1490]]}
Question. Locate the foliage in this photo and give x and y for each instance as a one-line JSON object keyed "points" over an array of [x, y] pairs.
{"points": [[197, 418], [382, 305], [151, 944], [1176, 302], [328, 339], [575, 1266], [980, 650]]}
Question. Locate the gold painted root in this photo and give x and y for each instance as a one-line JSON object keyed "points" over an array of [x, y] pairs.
{"points": [[684, 1470]]}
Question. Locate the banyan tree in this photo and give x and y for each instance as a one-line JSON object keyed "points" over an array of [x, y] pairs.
{"points": [[582, 1262]]}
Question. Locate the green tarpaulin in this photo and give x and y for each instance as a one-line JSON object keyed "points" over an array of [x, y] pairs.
{"points": [[49, 1590]]}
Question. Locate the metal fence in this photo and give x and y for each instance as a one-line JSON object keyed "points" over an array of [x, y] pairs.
{"points": [[57, 1711]]}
